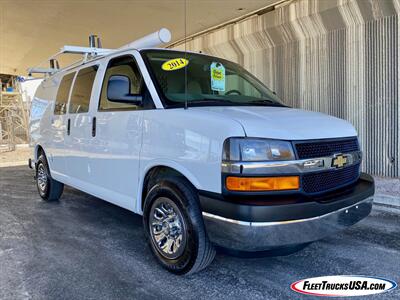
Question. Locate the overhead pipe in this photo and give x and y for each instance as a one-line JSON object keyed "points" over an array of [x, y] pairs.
{"points": [[163, 36]]}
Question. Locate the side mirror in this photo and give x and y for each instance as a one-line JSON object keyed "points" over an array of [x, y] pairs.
{"points": [[119, 90]]}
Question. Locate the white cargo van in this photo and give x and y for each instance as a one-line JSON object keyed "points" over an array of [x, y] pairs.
{"points": [[199, 147]]}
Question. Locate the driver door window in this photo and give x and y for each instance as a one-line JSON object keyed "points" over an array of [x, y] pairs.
{"points": [[125, 66]]}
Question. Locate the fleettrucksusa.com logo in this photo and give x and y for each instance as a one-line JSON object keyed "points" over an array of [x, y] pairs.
{"points": [[343, 286]]}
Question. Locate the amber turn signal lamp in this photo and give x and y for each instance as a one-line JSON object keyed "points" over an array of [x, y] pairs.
{"points": [[253, 184]]}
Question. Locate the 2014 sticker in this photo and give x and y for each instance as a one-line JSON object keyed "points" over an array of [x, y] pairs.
{"points": [[217, 77], [175, 64]]}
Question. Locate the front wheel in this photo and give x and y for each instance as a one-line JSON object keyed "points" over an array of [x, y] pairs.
{"points": [[175, 229], [48, 188]]}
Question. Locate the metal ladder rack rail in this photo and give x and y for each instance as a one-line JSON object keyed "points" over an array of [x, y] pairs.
{"points": [[163, 36]]}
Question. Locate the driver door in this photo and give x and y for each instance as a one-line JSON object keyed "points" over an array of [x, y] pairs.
{"points": [[117, 139]]}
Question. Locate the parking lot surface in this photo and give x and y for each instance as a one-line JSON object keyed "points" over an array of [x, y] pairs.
{"points": [[84, 248]]}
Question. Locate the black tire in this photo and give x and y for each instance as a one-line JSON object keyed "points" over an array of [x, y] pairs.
{"points": [[48, 188], [197, 252]]}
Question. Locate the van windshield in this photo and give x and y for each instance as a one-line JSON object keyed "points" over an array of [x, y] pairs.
{"points": [[211, 81]]}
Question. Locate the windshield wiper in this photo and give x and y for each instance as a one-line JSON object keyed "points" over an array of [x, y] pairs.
{"points": [[267, 102], [249, 103], [214, 101], [226, 102]]}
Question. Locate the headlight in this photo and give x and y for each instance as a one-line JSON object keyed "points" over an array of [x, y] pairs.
{"points": [[255, 149]]}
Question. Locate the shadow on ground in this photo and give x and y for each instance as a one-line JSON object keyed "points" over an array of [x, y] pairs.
{"points": [[83, 247]]}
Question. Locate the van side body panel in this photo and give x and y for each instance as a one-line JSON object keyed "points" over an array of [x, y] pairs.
{"points": [[41, 122], [187, 140]]}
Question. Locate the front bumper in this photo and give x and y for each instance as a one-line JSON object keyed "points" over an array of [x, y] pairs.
{"points": [[258, 228]]}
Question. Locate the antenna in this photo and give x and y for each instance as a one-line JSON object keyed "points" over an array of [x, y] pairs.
{"points": [[186, 100]]}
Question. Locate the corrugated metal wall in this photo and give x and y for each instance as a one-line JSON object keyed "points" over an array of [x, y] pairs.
{"points": [[334, 56]]}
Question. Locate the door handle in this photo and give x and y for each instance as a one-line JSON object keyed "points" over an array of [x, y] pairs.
{"points": [[69, 127], [94, 127]]}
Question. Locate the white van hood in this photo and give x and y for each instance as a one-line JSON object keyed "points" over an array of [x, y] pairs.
{"points": [[284, 123]]}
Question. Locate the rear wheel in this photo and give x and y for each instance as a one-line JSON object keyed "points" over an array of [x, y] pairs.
{"points": [[48, 188], [174, 227]]}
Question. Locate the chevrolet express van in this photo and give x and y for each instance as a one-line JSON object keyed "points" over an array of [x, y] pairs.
{"points": [[202, 149]]}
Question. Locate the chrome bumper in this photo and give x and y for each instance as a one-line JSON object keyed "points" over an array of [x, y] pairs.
{"points": [[259, 236]]}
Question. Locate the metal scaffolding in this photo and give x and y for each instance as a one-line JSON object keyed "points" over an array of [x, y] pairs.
{"points": [[14, 119]]}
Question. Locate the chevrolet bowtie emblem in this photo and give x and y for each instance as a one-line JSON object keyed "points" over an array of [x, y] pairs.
{"points": [[339, 161]]}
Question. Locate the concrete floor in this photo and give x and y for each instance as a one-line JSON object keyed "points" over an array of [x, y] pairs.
{"points": [[19, 156], [82, 247]]}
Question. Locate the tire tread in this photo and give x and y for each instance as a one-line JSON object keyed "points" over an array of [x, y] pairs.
{"points": [[55, 188], [206, 251]]}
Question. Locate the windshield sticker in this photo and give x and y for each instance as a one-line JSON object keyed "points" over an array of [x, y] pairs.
{"points": [[174, 64], [217, 77]]}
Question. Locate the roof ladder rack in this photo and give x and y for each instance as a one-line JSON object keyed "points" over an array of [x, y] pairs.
{"points": [[95, 49]]}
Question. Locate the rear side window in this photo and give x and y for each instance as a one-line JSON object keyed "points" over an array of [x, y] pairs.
{"points": [[80, 97], [62, 94]]}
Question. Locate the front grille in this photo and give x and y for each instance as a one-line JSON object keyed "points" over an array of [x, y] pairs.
{"points": [[307, 150], [324, 181]]}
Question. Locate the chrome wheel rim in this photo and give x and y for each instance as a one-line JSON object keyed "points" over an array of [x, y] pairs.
{"points": [[42, 178], [167, 228]]}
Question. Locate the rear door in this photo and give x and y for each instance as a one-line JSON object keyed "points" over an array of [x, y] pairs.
{"points": [[59, 126], [80, 134]]}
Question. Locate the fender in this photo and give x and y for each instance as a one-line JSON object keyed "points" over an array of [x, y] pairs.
{"points": [[162, 163], [46, 154], [36, 152]]}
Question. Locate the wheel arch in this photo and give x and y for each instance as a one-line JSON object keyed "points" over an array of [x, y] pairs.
{"points": [[38, 150], [155, 170]]}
